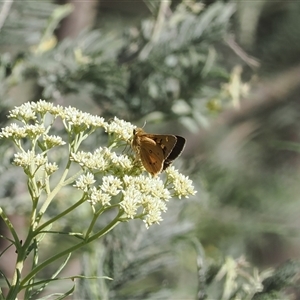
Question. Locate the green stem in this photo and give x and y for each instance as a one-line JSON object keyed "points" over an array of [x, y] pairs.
{"points": [[14, 289], [11, 228], [95, 217], [21, 250], [55, 257], [72, 178], [20, 259], [54, 192], [33, 213], [108, 228], [47, 184], [65, 212], [34, 264]]}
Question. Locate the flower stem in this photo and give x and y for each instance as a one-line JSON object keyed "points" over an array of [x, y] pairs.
{"points": [[55, 257]]}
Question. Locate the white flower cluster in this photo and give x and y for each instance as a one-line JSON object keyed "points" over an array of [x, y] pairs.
{"points": [[144, 195], [85, 181], [74, 120], [122, 129], [73, 117], [24, 159], [103, 159], [44, 107], [19, 132], [182, 185], [23, 113], [98, 196], [32, 161], [13, 131], [29, 110], [137, 196], [140, 196], [50, 168], [111, 186], [52, 141]]}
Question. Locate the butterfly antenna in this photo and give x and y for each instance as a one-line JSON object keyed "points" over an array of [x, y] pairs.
{"points": [[144, 124]]}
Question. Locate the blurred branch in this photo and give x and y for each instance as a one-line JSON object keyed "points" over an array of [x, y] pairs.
{"points": [[22, 23], [282, 283], [164, 6], [269, 93], [56, 17], [201, 268], [4, 11], [251, 61], [82, 17]]}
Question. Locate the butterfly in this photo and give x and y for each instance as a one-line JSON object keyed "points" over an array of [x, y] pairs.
{"points": [[156, 151]]}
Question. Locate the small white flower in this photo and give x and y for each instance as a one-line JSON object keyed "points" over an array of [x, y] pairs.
{"points": [[13, 131], [35, 130], [53, 141], [151, 203], [140, 182], [82, 158], [29, 159], [50, 168], [42, 106], [17, 132], [84, 181], [158, 189], [23, 113], [121, 161], [74, 116], [148, 194], [131, 201], [148, 185], [93, 161], [40, 160], [103, 160], [111, 185], [97, 196], [100, 159], [96, 121], [153, 217], [81, 120], [122, 129], [24, 159], [57, 111], [182, 185]]}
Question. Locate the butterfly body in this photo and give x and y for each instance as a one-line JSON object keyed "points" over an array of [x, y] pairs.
{"points": [[156, 151]]}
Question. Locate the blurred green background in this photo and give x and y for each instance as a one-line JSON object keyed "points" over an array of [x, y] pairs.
{"points": [[223, 74]]}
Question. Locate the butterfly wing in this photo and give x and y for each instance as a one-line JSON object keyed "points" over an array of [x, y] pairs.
{"points": [[176, 151], [156, 151], [166, 142], [151, 155]]}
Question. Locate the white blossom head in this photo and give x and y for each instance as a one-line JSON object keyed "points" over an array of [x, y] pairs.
{"points": [[107, 177]]}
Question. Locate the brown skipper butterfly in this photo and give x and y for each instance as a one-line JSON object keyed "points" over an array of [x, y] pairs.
{"points": [[156, 151]]}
